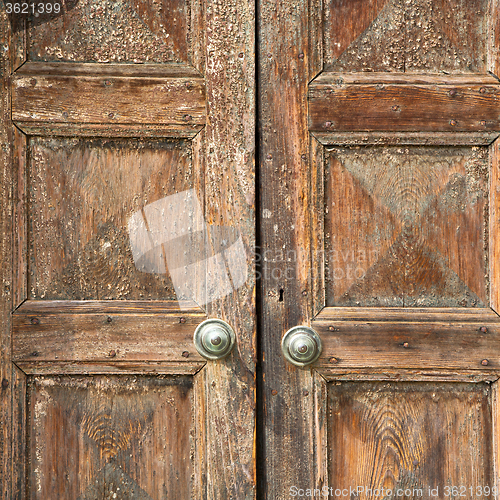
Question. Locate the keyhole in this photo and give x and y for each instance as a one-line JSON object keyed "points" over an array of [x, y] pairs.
{"points": [[281, 295]]}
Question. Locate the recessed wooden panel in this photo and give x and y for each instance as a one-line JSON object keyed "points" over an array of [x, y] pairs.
{"points": [[110, 437], [406, 226], [82, 194], [106, 31], [410, 436], [406, 35]]}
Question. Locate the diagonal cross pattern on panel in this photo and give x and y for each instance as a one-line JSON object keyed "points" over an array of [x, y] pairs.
{"points": [[400, 243]]}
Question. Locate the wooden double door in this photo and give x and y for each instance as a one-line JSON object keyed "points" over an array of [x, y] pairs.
{"points": [[330, 164]]}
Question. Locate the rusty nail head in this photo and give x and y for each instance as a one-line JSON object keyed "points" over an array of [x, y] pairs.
{"points": [[452, 92], [484, 362], [274, 392], [65, 114], [304, 157], [305, 392], [304, 292], [301, 55], [328, 124], [111, 115], [34, 353], [331, 328], [112, 353], [269, 55], [109, 319], [396, 107], [482, 90], [188, 85], [406, 345], [187, 117], [240, 55], [5, 383], [453, 122], [33, 81], [483, 123], [182, 320], [185, 354], [35, 321], [334, 360], [269, 157], [484, 329], [107, 83]]}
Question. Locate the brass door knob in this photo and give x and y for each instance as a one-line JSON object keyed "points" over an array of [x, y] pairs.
{"points": [[301, 345], [214, 339]]}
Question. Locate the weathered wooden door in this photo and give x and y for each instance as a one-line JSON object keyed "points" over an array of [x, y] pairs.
{"points": [[379, 191], [127, 205], [128, 198]]}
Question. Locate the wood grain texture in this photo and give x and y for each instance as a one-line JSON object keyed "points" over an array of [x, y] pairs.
{"points": [[321, 428], [494, 39], [397, 233], [111, 130], [409, 436], [19, 437], [402, 108], [130, 334], [289, 60], [333, 374], [431, 339], [109, 434], [83, 194], [20, 217], [8, 442], [135, 31], [406, 138], [227, 158], [108, 99], [494, 226], [495, 421], [418, 36]]}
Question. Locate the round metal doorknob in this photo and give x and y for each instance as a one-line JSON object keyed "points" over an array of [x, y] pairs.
{"points": [[301, 345], [214, 339]]}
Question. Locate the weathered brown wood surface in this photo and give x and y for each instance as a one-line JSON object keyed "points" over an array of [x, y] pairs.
{"points": [[406, 226], [409, 436], [447, 107], [289, 58], [81, 195], [407, 105], [99, 335], [227, 156], [111, 112], [120, 430], [494, 227], [11, 384], [413, 36], [135, 95], [399, 339], [138, 32]]}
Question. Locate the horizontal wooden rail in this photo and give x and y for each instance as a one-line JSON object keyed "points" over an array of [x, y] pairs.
{"points": [[406, 338], [109, 100], [105, 336], [401, 103]]}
